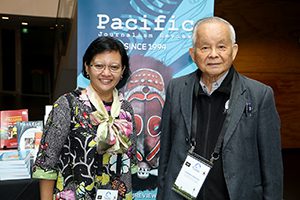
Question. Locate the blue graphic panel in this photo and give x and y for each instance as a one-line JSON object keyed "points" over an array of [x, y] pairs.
{"points": [[157, 36]]}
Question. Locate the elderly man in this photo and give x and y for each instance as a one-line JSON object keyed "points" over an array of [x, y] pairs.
{"points": [[220, 131]]}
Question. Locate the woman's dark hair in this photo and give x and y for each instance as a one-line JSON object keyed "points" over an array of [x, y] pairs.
{"points": [[103, 44]]}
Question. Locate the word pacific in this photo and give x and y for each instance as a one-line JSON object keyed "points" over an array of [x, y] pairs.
{"points": [[159, 24]]}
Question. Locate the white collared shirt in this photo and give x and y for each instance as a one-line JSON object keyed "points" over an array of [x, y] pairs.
{"points": [[215, 85]]}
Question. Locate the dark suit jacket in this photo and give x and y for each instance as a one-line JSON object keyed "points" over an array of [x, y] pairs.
{"points": [[251, 151]]}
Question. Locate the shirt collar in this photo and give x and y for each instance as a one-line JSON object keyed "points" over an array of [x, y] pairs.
{"points": [[215, 85]]}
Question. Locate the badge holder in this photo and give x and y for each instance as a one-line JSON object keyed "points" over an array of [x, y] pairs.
{"points": [[103, 194], [192, 176], [195, 167], [111, 194]]}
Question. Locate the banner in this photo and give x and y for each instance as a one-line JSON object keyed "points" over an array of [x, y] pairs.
{"points": [[157, 35]]}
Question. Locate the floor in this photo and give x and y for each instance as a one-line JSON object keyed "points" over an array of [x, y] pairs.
{"points": [[36, 107]]}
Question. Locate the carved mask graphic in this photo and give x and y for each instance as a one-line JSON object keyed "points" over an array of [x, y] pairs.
{"points": [[145, 90]]}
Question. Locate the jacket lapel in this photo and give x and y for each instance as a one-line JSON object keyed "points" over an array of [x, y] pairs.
{"points": [[186, 100], [236, 107]]}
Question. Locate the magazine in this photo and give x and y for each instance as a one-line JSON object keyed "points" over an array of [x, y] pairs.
{"points": [[8, 130], [29, 136], [14, 157]]}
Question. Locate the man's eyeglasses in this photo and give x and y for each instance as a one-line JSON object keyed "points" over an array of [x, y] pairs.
{"points": [[114, 68]]}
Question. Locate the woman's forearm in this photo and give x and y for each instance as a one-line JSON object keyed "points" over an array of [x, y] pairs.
{"points": [[46, 189]]}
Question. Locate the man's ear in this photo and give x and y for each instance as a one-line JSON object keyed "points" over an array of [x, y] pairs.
{"points": [[235, 49], [192, 53]]}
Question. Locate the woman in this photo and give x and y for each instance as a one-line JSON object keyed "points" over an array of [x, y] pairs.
{"points": [[89, 140]]}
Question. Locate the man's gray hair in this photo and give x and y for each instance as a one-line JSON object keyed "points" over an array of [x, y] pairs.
{"points": [[213, 19]]}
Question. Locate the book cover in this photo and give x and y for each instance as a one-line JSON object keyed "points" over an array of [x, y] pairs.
{"points": [[14, 156], [29, 135], [8, 130]]}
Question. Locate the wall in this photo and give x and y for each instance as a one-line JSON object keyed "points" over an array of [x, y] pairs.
{"points": [[268, 34], [45, 8], [67, 70], [38, 8]]}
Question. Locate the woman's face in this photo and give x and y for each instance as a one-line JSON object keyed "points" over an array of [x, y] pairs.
{"points": [[105, 71]]}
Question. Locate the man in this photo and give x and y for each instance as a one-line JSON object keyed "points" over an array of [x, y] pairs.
{"points": [[224, 117]]}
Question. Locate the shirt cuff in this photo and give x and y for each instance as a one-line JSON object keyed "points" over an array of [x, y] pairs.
{"points": [[40, 173]]}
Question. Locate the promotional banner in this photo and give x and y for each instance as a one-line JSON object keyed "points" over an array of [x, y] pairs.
{"points": [[157, 35]]}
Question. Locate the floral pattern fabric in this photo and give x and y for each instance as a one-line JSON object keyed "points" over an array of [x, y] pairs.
{"points": [[113, 129], [68, 151]]}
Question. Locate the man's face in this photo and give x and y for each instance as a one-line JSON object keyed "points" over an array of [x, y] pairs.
{"points": [[214, 51]]}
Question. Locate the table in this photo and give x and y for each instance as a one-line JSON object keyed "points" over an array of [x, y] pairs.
{"points": [[26, 189]]}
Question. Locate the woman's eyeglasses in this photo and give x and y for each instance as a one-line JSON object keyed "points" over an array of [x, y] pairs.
{"points": [[114, 68]]}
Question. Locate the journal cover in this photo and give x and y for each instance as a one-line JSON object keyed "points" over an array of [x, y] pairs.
{"points": [[8, 130]]}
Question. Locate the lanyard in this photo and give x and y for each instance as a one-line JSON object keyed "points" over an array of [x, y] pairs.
{"points": [[216, 153]]}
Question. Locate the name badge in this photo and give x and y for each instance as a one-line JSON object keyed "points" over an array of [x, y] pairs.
{"points": [[103, 194], [192, 176]]}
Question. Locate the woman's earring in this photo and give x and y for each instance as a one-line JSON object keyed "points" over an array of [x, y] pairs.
{"points": [[88, 76]]}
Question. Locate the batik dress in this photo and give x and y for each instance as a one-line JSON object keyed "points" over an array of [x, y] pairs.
{"points": [[69, 152]]}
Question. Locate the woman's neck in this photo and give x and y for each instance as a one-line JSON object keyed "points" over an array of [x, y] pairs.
{"points": [[105, 97]]}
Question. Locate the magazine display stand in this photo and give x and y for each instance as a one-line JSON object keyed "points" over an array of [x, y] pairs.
{"points": [[18, 134]]}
